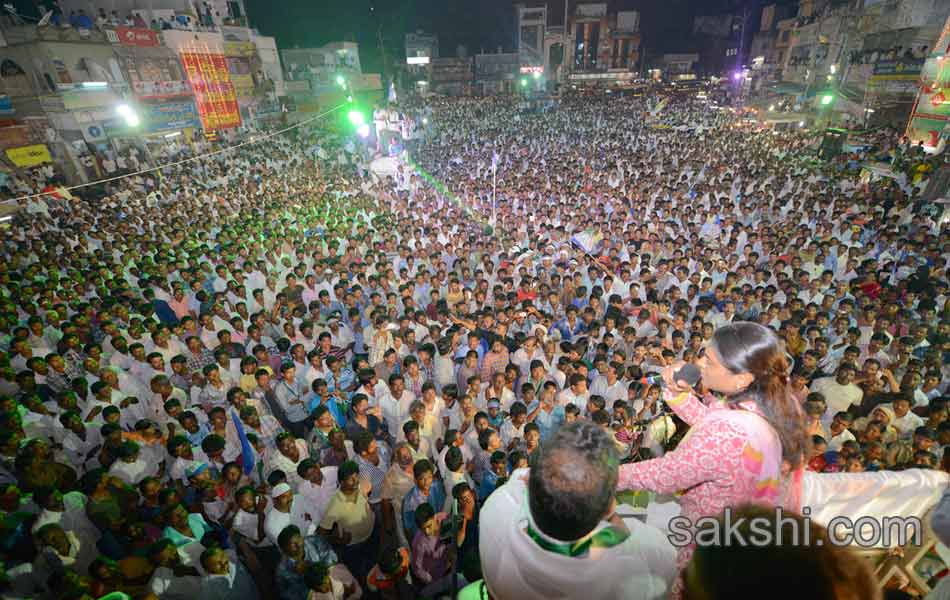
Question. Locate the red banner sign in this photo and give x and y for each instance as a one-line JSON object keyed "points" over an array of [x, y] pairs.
{"points": [[136, 36], [214, 92]]}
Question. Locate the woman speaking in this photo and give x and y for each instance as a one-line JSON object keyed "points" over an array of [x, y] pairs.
{"points": [[746, 449]]}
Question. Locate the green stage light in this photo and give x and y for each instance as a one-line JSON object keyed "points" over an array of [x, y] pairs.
{"points": [[356, 118], [827, 99], [524, 82]]}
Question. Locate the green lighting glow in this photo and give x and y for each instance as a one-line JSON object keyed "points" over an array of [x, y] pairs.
{"points": [[340, 80], [524, 82], [827, 99], [356, 118]]}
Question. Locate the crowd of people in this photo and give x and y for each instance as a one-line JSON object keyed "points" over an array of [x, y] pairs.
{"points": [[305, 381]]}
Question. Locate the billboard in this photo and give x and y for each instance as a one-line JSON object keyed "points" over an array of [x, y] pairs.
{"points": [[170, 116], [137, 36], [899, 69], [214, 92]]}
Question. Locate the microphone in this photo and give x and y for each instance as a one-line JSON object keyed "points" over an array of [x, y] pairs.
{"points": [[688, 374]]}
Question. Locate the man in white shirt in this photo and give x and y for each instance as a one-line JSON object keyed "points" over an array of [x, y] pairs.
{"points": [[287, 509], [609, 386], [576, 393], [316, 488], [905, 422], [840, 394], [839, 431], [527, 546], [395, 405]]}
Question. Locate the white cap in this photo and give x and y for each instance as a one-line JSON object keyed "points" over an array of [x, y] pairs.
{"points": [[279, 490]]}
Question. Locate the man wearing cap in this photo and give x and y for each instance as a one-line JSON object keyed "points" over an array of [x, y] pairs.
{"points": [[287, 509], [534, 547]]}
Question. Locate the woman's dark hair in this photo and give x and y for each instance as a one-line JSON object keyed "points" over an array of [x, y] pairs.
{"points": [[572, 481], [816, 568], [755, 349]]}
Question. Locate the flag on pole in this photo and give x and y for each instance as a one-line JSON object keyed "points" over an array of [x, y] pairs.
{"points": [[247, 453], [494, 161]]}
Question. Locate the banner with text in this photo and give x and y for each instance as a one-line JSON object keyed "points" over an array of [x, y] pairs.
{"points": [[170, 116], [214, 92]]}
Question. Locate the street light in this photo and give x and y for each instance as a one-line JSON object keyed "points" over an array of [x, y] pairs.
{"points": [[125, 111]]}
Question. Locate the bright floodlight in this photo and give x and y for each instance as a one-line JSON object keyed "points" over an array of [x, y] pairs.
{"points": [[537, 75], [125, 111], [356, 118], [363, 130], [425, 121], [524, 82], [827, 99], [801, 123], [771, 107], [737, 75], [340, 80]]}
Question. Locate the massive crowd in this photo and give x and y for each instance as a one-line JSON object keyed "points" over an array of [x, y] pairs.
{"points": [[303, 381]]}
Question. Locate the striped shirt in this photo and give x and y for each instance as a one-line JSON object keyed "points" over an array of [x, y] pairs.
{"points": [[374, 474]]}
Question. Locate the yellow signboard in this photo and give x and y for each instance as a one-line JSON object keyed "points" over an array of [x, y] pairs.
{"points": [[239, 49], [29, 156]]}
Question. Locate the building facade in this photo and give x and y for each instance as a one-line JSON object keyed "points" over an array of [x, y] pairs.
{"points": [[452, 76], [421, 49], [91, 80], [497, 73], [867, 55], [604, 47]]}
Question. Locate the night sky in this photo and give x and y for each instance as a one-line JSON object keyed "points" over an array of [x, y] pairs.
{"points": [[477, 24]]}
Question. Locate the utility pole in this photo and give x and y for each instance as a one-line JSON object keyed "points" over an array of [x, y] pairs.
{"points": [[382, 47], [567, 41]]}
